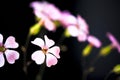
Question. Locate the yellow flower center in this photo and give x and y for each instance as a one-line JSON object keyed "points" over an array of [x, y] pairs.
{"points": [[2, 48], [44, 50]]}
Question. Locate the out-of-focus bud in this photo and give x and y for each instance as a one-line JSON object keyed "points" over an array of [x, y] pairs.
{"points": [[66, 33], [87, 50], [105, 50], [116, 69]]}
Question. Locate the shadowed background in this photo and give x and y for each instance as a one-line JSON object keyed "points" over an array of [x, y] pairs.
{"points": [[101, 15]]}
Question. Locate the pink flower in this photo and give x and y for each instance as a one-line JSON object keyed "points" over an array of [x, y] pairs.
{"points": [[6, 49], [114, 42], [79, 30], [48, 51], [67, 19], [47, 12], [94, 41]]}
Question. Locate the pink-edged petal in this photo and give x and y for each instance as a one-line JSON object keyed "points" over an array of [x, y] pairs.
{"points": [[1, 39], [67, 19], [52, 11], [48, 42], [11, 56], [82, 24], [11, 43], [37, 5], [51, 60], [38, 41], [82, 36], [2, 60], [49, 25], [73, 30], [38, 57], [55, 50], [94, 41], [115, 43]]}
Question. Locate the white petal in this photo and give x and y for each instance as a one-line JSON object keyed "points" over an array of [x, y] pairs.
{"points": [[51, 60], [39, 42], [11, 56], [73, 31], [1, 38], [11, 43], [55, 50], [2, 60], [48, 42], [38, 57]]}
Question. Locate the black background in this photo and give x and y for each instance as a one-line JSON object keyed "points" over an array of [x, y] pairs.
{"points": [[101, 15]]}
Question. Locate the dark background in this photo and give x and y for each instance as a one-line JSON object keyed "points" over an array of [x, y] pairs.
{"points": [[101, 15]]}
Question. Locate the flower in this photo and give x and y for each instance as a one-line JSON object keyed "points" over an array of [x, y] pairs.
{"points": [[114, 42], [46, 12], [48, 52], [79, 30], [11, 55], [94, 41]]}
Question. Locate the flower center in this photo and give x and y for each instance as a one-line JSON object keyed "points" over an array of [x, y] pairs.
{"points": [[44, 50], [2, 48]]}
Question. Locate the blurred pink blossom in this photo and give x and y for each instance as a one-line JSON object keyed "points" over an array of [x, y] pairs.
{"points": [[48, 51], [94, 41], [67, 19], [79, 29], [47, 12], [11, 55], [114, 42]]}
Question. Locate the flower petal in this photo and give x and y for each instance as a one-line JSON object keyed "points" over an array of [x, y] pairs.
{"points": [[55, 50], [94, 41], [114, 42], [38, 41], [51, 60], [82, 36], [11, 56], [38, 57], [82, 24], [49, 25], [67, 19], [1, 38], [73, 30], [2, 60], [11, 43], [48, 42]]}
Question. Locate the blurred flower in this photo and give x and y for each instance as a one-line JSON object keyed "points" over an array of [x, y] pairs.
{"points": [[11, 55], [67, 19], [94, 41], [114, 42], [48, 51], [47, 12], [76, 27]]}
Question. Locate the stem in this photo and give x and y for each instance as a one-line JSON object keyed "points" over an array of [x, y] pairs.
{"points": [[94, 60], [25, 47], [106, 77], [41, 72], [90, 67], [85, 73]]}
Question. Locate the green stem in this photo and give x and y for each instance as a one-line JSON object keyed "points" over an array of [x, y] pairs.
{"points": [[25, 47], [41, 72], [106, 77]]}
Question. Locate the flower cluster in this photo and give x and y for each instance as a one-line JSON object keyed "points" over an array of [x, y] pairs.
{"points": [[49, 17]]}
